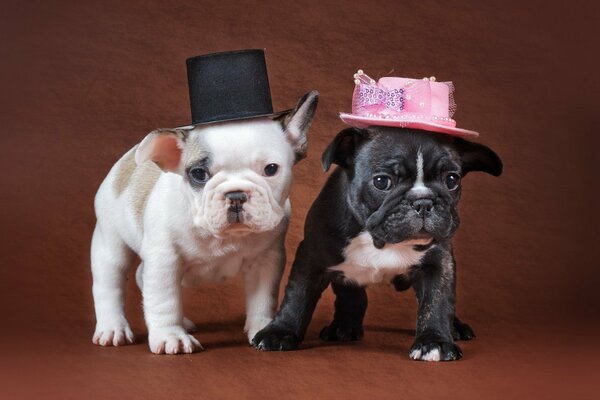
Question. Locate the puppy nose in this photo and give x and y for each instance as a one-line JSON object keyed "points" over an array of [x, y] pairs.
{"points": [[422, 206], [236, 197]]}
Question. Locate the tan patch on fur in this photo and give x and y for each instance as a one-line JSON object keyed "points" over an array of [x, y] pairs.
{"points": [[125, 169], [143, 180], [136, 180]]}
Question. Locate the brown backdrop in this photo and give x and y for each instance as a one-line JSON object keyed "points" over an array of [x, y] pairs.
{"points": [[81, 82]]}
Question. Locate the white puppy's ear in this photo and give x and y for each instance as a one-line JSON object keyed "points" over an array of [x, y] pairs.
{"points": [[162, 146], [296, 123]]}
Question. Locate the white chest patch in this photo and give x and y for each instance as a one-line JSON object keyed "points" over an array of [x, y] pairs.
{"points": [[365, 264], [217, 270], [211, 260]]}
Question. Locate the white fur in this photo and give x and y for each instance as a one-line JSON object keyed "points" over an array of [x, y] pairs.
{"points": [[183, 236], [419, 187], [431, 355], [365, 264], [240, 157]]}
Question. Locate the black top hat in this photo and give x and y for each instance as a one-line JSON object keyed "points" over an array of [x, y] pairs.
{"points": [[229, 86]]}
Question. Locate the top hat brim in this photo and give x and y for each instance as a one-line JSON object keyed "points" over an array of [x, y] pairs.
{"points": [[235, 119]]}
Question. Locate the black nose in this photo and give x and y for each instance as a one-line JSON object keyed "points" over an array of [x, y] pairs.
{"points": [[422, 206], [236, 197]]}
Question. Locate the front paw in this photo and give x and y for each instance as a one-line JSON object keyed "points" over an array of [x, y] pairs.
{"points": [[172, 340], [254, 325], [116, 333], [462, 331], [338, 333], [435, 349], [273, 338]]}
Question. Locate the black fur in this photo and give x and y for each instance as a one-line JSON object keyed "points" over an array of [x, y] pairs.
{"points": [[349, 204]]}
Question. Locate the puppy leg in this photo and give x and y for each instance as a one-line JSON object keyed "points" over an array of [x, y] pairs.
{"points": [[162, 305], [401, 283], [350, 307], [434, 286], [462, 331], [304, 288], [139, 278], [189, 325], [111, 260], [261, 283]]}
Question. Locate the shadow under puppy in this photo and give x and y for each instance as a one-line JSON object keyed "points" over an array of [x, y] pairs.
{"points": [[387, 214], [200, 203]]}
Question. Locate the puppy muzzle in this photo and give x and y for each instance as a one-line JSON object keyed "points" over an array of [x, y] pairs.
{"points": [[419, 223], [237, 206], [235, 212]]}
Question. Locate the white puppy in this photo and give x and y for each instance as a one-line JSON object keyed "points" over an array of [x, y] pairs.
{"points": [[196, 203]]}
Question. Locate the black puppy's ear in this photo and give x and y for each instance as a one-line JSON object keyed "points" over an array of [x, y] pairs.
{"points": [[343, 148], [477, 157]]}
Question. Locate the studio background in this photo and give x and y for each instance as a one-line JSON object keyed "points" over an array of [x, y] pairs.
{"points": [[82, 82]]}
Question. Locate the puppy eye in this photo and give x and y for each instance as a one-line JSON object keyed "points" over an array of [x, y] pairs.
{"points": [[452, 180], [271, 169], [198, 175], [382, 182]]}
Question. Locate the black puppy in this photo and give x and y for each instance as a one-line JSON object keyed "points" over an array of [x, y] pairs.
{"points": [[388, 214]]}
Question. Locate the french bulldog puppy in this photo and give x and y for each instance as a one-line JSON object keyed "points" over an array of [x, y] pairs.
{"points": [[197, 203], [387, 214]]}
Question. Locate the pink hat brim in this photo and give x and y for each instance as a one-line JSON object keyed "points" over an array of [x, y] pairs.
{"points": [[363, 122]]}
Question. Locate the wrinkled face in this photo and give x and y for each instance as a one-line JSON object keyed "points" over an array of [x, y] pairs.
{"points": [[238, 176], [405, 184], [407, 187]]}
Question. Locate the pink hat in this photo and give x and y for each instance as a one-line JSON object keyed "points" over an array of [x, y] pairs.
{"points": [[406, 103]]}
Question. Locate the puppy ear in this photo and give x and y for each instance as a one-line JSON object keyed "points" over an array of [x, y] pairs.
{"points": [[477, 157], [163, 147], [295, 124], [343, 148]]}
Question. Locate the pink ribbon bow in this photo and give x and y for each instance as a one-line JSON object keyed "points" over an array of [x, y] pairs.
{"points": [[413, 97], [370, 95]]}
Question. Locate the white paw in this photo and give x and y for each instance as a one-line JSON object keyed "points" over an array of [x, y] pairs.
{"points": [[431, 355], [172, 340], [113, 334], [188, 325], [253, 326], [435, 351]]}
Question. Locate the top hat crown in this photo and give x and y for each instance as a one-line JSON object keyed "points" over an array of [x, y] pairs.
{"points": [[229, 86]]}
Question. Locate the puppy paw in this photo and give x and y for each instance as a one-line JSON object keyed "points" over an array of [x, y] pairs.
{"points": [[113, 334], [273, 338], [339, 333], [462, 331], [172, 340], [254, 325], [401, 283], [189, 326], [435, 350]]}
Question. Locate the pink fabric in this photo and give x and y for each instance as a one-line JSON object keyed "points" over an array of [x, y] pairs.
{"points": [[393, 101]]}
